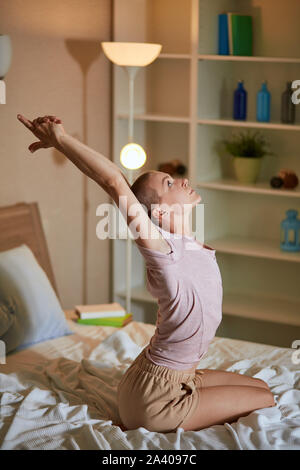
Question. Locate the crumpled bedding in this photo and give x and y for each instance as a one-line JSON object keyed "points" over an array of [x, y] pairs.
{"points": [[61, 394]]}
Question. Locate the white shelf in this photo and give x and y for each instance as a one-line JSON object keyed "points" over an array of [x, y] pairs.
{"points": [[257, 247], [258, 125], [236, 58], [272, 309], [262, 308], [140, 294], [156, 117], [174, 56], [257, 188]]}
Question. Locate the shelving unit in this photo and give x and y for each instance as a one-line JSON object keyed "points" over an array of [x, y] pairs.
{"points": [[183, 106], [257, 188], [250, 124], [290, 60], [156, 117]]}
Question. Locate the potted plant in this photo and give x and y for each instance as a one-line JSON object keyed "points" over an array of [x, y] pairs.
{"points": [[247, 151]]}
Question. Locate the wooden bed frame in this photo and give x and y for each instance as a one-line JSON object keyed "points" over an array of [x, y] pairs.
{"points": [[21, 223]]}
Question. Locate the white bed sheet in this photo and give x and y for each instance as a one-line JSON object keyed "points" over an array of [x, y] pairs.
{"points": [[61, 394]]}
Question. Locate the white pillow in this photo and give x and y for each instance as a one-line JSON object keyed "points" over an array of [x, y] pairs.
{"points": [[6, 318], [30, 311]]}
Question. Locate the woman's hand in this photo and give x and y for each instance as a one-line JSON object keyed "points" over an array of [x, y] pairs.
{"points": [[47, 128]]}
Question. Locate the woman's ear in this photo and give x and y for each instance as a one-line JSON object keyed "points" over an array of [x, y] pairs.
{"points": [[157, 212], [154, 212]]}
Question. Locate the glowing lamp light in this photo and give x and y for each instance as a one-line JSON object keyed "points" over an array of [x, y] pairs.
{"points": [[132, 156]]}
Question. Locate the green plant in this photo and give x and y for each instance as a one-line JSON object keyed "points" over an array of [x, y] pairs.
{"points": [[247, 145]]}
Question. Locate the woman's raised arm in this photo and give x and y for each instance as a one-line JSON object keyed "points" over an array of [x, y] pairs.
{"points": [[50, 132]]}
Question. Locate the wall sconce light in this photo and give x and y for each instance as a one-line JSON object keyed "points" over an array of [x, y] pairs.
{"points": [[5, 61]]}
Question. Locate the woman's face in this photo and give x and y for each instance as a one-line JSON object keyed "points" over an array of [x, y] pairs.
{"points": [[174, 192]]}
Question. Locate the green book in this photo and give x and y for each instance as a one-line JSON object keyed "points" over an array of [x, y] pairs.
{"points": [[108, 321], [241, 29]]}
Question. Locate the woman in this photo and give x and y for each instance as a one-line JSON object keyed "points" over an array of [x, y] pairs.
{"points": [[163, 390]]}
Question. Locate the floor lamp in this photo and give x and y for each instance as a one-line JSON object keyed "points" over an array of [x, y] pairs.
{"points": [[131, 56]]}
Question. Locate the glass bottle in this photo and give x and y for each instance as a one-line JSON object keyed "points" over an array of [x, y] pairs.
{"points": [[263, 103], [287, 106], [290, 232], [240, 102]]}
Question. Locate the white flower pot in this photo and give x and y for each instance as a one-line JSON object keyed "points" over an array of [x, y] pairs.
{"points": [[247, 168]]}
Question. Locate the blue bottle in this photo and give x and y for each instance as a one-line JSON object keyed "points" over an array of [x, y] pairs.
{"points": [[263, 103], [290, 232], [240, 102]]}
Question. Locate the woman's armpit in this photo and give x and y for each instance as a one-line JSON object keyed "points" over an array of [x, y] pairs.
{"points": [[161, 247], [150, 251]]}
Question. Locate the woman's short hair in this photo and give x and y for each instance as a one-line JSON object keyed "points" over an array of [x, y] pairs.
{"points": [[144, 194]]}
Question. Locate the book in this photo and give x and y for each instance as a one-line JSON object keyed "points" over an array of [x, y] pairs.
{"points": [[112, 321], [113, 309], [241, 29], [239, 34], [223, 44], [230, 45]]}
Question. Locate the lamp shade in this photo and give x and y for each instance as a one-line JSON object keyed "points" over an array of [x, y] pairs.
{"points": [[5, 54], [136, 54]]}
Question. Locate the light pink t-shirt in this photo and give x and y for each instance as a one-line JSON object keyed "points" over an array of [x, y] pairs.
{"points": [[188, 285]]}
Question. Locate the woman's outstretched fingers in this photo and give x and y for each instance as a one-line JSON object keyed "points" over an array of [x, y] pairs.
{"points": [[36, 146], [25, 121], [32, 147], [37, 121], [46, 129], [54, 119]]}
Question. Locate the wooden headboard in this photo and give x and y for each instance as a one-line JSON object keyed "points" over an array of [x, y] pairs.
{"points": [[21, 223]]}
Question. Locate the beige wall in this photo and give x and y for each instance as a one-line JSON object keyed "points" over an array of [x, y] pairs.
{"points": [[58, 67]]}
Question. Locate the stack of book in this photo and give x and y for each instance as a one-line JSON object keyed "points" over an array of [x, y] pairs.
{"points": [[235, 34], [112, 314]]}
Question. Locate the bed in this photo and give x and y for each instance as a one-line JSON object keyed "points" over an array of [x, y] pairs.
{"points": [[61, 393]]}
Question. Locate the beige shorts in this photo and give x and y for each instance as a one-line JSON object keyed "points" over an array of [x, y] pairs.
{"points": [[157, 398]]}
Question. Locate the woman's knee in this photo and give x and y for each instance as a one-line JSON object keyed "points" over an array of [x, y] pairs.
{"points": [[270, 398], [266, 397], [261, 383]]}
